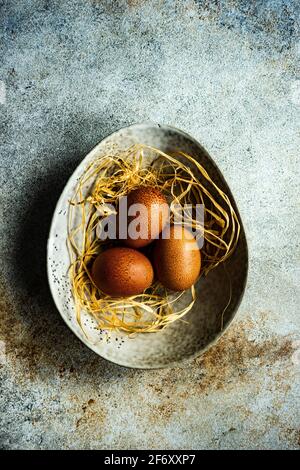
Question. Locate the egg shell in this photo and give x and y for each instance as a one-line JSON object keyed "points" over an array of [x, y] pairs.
{"points": [[177, 260], [153, 223], [122, 272]]}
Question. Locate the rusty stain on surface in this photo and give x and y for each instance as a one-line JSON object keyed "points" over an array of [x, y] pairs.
{"points": [[93, 415], [233, 360], [235, 356], [292, 435], [35, 345], [165, 410]]}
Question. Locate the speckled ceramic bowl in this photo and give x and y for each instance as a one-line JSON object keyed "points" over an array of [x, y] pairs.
{"points": [[180, 340]]}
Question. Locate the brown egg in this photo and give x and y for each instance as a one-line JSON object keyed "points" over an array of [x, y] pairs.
{"points": [[152, 220], [121, 272], [177, 260]]}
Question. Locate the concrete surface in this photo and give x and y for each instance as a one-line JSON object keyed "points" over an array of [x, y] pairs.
{"points": [[226, 72]]}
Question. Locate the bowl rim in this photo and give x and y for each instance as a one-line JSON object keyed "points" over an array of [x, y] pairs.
{"points": [[182, 361]]}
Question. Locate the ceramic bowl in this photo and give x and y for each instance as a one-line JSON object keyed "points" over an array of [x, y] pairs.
{"points": [[180, 341]]}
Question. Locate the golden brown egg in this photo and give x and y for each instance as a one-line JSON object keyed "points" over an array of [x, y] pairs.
{"points": [[177, 260], [122, 272], [152, 219]]}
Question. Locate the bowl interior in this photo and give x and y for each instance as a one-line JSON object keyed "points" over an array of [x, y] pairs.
{"points": [[203, 324]]}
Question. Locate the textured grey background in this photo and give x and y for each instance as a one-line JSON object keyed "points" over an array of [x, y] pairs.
{"points": [[226, 72]]}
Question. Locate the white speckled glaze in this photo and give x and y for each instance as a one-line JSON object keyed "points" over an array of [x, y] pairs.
{"points": [[179, 341]]}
